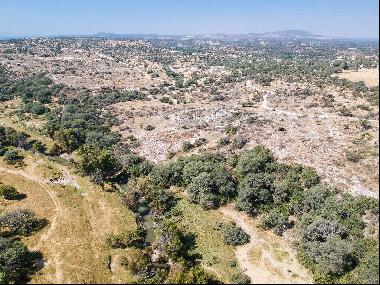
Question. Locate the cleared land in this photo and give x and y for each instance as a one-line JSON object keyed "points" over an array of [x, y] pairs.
{"points": [[369, 76]]}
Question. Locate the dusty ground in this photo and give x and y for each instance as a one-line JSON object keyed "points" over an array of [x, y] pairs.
{"points": [[301, 130], [369, 76], [267, 258]]}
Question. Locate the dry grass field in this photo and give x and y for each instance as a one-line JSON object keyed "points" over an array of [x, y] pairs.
{"points": [[369, 76], [79, 219]]}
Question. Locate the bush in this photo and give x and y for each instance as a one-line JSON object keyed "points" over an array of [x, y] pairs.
{"points": [[19, 222], [203, 191], [173, 243], [149, 128], [166, 100], [254, 161], [127, 239], [38, 146], [314, 199], [187, 146], [321, 229], [255, 192], [277, 221], [224, 141], [240, 278], [9, 193], [208, 183], [131, 195], [333, 257], [100, 164], [12, 157], [166, 175], [239, 142], [160, 201], [199, 142], [309, 177], [233, 235], [354, 156], [15, 261], [179, 274]]}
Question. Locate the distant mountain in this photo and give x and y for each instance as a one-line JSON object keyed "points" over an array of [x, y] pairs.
{"points": [[6, 36], [123, 36], [281, 35], [288, 34]]}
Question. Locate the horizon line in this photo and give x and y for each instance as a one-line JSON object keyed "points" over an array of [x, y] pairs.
{"points": [[11, 36]]}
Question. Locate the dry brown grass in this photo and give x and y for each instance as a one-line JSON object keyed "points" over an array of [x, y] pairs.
{"points": [[369, 76], [215, 254], [73, 243]]}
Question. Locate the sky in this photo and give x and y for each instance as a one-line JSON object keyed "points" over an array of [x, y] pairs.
{"points": [[346, 18]]}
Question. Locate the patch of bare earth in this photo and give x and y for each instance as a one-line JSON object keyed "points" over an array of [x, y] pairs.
{"points": [[369, 76], [298, 129], [267, 258]]}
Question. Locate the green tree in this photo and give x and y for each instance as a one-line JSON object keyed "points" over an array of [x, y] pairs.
{"points": [[255, 192], [100, 164], [15, 261], [254, 161]]}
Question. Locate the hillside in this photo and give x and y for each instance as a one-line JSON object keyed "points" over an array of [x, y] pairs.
{"points": [[188, 162]]}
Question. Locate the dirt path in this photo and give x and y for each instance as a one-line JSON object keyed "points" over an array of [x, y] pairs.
{"points": [[80, 220], [266, 259], [54, 222]]}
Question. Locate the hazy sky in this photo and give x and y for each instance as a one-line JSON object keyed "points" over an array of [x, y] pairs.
{"points": [[348, 18]]}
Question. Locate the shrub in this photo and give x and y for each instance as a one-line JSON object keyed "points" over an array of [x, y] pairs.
{"points": [[240, 278], [203, 191], [277, 221], [321, 229], [224, 141], [166, 175], [309, 177], [254, 161], [199, 142], [15, 261], [231, 130], [239, 142], [149, 128], [9, 193], [314, 199], [354, 156], [127, 239], [35, 108], [186, 146], [179, 274], [333, 257], [131, 194], [19, 222], [166, 100], [38, 146], [12, 157], [68, 139], [233, 235], [160, 200], [255, 192], [100, 165], [173, 243], [140, 263]]}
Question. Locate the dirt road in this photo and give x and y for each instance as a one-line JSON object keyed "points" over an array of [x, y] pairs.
{"points": [[267, 258]]}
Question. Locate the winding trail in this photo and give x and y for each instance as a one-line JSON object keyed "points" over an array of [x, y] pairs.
{"points": [[269, 269], [55, 221]]}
